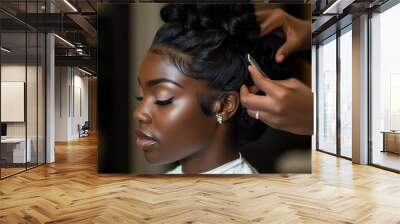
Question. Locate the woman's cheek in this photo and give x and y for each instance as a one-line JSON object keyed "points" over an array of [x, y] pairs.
{"points": [[193, 123], [181, 123], [185, 113]]}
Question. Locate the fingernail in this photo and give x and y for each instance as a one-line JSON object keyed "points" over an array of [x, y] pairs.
{"points": [[280, 58], [250, 69]]}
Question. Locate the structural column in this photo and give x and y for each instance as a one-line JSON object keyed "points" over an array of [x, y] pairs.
{"points": [[360, 90], [50, 92]]}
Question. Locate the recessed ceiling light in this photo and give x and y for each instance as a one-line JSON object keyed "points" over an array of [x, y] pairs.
{"points": [[84, 71], [337, 7], [64, 40], [70, 5], [5, 50]]}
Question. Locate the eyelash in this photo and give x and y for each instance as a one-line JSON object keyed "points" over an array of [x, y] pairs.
{"points": [[158, 102], [164, 102]]}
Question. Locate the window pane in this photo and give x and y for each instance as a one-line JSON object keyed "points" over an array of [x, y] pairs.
{"points": [[15, 150], [345, 94], [327, 97], [385, 84]]}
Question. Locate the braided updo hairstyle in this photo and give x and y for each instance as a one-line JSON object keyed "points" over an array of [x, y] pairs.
{"points": [[210, 42]]}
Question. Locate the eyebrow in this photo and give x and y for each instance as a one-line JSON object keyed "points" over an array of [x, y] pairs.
{"points": [[154, 82]]}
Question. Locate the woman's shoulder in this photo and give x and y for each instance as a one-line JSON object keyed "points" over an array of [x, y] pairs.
{"points": [[244, 167], [176, 170], [238, 166]]}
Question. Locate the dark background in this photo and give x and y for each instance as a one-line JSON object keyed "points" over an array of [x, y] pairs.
{"points": [[113, 89]]}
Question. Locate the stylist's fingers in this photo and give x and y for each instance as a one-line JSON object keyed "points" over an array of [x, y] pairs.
{"points": [[254, 89], [267, 117], [285, 50], [269, 20], [261, 115], [293, 83], [255, 102], [266, 85]]}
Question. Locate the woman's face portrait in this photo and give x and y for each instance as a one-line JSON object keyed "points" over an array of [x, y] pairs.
{"points": [[187, 106], [170, 122]]}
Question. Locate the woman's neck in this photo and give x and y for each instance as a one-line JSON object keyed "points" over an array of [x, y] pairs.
{"points": [[219, 152]]}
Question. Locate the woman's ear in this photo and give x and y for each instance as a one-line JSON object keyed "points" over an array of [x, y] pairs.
{"points": [[229, 103]]}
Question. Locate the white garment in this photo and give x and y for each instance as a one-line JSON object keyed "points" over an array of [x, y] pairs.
{"points": [[237, 166]]}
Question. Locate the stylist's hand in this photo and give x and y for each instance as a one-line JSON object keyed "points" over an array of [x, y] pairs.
{"points": [[287, 104], [297, 31]]}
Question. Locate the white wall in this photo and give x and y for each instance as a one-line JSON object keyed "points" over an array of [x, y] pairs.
{"points": [[61, 103], [71, 92], [80, 84], [33, 126], [314, 90], [16, 73]]}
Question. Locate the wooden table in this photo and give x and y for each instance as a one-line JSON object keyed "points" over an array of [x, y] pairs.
{"points": [[391, 141], [13, 150]]}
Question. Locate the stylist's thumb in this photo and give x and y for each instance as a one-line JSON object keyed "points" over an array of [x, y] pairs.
{"points": [[285, 50], [261, 82]]}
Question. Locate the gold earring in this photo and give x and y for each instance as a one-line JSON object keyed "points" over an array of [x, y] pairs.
{"points": [[220, 119]]}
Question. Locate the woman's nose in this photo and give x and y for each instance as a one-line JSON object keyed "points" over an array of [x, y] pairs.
{"points": [[141, 114]]}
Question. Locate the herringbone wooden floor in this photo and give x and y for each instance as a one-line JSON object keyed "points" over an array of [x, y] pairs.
{"points": [[70, 191]]}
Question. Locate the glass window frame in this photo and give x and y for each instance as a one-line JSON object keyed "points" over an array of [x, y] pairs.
{"points": [[334, 37], [381, 9], [329, 39], [341, 32], [43, 40]]}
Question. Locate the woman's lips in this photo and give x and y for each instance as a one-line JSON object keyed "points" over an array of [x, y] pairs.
{"points": [[144, 140], [143, 143]]}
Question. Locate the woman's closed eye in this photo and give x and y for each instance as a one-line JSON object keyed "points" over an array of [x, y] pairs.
{"points": [[158, 102], [164, 102]]}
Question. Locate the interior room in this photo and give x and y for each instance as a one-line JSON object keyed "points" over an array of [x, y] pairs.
{"points": [[28, 98], [50, 127], [336, 84]]}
